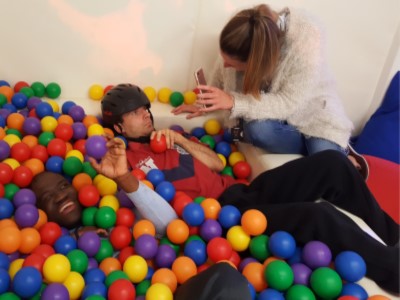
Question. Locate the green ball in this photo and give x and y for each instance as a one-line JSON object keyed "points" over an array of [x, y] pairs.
{"points": [[199, 199], [299, 292], [3, 100], [166, 241], [142, 287], [38, 295], [72, 166], [259, 247], [105, 217], [326, 283], [279, 275], [45, 138], [176, 99], [9, 190], [208, 140], [228, 170], [88, 169], [88, 216], [53, 90], [194, 237], [95, 297], [27, 91], [106, 250], [115, 275], [9, 296], [79, 260], [14, 132], [38, 89]]}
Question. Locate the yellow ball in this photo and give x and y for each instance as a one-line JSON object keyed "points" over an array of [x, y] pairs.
{"points": [[150, 93], [189, 97], [235, 157], [54, 105], [56, 268], [12, 162], [212, 126], [96, 92], [49, 123], [107, 186], [164, 94], [74, 284], [97, 179], [136, 268], [76, 153], [159, 291], [238, 238], [11, 139], [15, 266], [95, 129], [222, 158], [109, 200]]}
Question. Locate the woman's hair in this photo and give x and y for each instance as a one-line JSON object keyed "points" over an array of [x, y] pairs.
{"points": [[253, 36]]}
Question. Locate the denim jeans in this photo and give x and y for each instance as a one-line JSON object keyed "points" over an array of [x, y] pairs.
{"points": [[278, 136]]}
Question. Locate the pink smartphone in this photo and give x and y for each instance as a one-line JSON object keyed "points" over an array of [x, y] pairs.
{"points": [[200, 78]]}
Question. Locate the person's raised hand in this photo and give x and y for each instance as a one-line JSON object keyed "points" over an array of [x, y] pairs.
{"points": [[212, 99], [192, 110], [171, 137]]}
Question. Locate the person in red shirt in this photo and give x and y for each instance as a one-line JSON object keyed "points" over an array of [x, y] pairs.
{"points": [[287, 195]]}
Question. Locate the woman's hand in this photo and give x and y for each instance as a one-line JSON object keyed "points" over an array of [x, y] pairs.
{"points": [[213, 98], [193, 110]]}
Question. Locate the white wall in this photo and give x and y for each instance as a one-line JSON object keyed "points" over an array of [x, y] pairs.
{"points": [[160, 43]]}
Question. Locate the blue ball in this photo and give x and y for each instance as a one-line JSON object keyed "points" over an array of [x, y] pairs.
{"points": [[282, 244], [66, 106], [55, 164], [355, 290], [270, 294], [350, 266], [197, 251], [27, 282], [10, 107], [4, 261], [227, 136], [4, 83], [19, 100], [44, 109], [4, 280], [198, 132], [252, 291], [166, 190], [193, 214], [94, 275], [6, 208], [64, 244], [2, 122], [223, 148], [229, 216], [94, 288], [155, 176], [150, 273]]}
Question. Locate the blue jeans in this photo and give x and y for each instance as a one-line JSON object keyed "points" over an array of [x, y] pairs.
{"points": [[277, 136]]}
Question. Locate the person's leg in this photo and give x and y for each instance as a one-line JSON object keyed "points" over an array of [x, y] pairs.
{"points": [[314, 145], [328, 175], [274, 136]]}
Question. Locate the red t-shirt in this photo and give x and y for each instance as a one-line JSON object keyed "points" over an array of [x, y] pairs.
{"points": [[185, 172]]}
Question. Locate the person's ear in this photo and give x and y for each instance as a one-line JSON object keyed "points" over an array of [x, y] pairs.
{"points": [[118, 128]]}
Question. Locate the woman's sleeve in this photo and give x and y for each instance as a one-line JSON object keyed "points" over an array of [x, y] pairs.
{"points": [[152, 207]]}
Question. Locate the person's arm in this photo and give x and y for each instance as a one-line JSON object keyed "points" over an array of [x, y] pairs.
{"points": [[197, 150]]}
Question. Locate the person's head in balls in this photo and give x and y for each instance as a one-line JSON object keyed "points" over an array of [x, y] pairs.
{"points": [[126, 110], [57, 198]]}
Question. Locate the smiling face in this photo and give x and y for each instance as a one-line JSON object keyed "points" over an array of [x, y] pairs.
{"points": [[57, 198], [136, 123]]}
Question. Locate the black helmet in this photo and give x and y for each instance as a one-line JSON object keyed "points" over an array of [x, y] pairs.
{"points": [[121, 99]]}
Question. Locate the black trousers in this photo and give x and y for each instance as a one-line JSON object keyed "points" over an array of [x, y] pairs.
{"points": [[287, 195]]}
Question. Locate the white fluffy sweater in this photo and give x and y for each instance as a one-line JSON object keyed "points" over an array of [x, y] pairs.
{"points": [[303, 91]]}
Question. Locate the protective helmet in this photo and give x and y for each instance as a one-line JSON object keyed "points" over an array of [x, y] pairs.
{"points": [[121, 99]]}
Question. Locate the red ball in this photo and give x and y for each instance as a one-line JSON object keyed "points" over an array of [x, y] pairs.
{"points": [[44, 249], [2, 191], [235, 258], [20, 151], [107, 88], [57, 147], [22, 176], [242, 169], [120, 237], [121, 289], [19, 85], [88, 195], [34, 260], [6, 173], [49, 233], [40, 152], [179, 202], [125, 253], [139, 174], [158, 146], [64, 131], [125, 217], [80, 145], [219, 249]]}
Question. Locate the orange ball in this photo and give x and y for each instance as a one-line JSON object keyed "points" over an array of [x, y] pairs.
{"points": [[89, 120], [148, 183], [35, 165], [110, 264], [80, 180], [211, 208], [7, 91], [254, 222], [166, 276], [378, 297], [143, 227], [254, 272], [2, 133], [184, 268], [65, 119], [30, 239], [270, 259], [177, 231], [30, 140], [42, 219], [7, 223], [10, 239], [15, 121], [109, 132]]}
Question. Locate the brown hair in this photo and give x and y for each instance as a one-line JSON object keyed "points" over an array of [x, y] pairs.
{"points": [[253, 36]]}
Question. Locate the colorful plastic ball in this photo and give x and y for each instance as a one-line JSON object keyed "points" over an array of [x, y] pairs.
{"points": [[5, 150], [121, 289], [165, 276], [11, 239], [158, 146], [15, 121], [43, 109], [111, 201], [197, 251], [10, 107], [326, 283], [212, 126], [5, 281], [55, 164], [177, 231], [136, 268], [208, 140], [282, 244], [66, 106], [176, 99], [254, 273], [26, 215], [254, 222], [65, 244], [210, 229], [164, 94], [9, 190], [77, 113], [219, 249], [115, 275], [184, 268], [79, 260], [155, 176], [235, 157], [105, 217], [89, 242], [229, 216], [27, 91], [279, 275], [211, 208], [106, 186], [19, 100], [32, 126], [193, 214], [223, 148], [316, 254], [106, 250], [55, 291], [298, 291], [239, 239], [120, 237], [242, 170], [95, 129], [38, 88], [166, 190], [146, 246], [49, 233], [301, 273], [56, 268], [143, 227], [96, 146], [96, 92], [33, 102], [30, 239], [198, 132], [6, 209], [79, 130], [354, 289], [3, 100], [49, 123], [259, 247], [27, 282], [150, 93], [7, 91], [64, 132], [165, 256], [57, 147], [94, 275], [53, 90], [11, 139], [94, 289], [189, 97], [72, 166], [350, 266], [159, 291], [75, 285], [19, 85], [45, 138]]}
